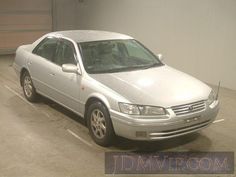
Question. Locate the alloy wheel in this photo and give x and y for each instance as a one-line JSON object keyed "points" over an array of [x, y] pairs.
{"points": [[98, 123], [28, 87]]}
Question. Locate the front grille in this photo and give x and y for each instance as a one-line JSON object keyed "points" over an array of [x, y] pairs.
{"points": [[189, 108]]}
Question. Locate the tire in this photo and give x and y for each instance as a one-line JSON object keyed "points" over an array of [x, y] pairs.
{"points": [[28, 88], [100, 125]]}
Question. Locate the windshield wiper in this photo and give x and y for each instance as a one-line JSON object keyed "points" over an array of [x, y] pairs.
{"points": [[151, 66], [123, 69], [114, 70]]}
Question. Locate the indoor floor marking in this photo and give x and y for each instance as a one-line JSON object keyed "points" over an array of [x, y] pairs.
{"points": [[17, 94], [217, 121], [71, 132], [78, 137]]}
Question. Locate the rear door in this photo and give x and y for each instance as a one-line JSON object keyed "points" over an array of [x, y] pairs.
{"points": [[40, 63]]}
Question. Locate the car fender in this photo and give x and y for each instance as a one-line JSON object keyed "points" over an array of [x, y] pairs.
{"points": [[100, 97]]}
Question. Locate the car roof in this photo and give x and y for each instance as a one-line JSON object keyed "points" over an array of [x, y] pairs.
{"points": [[89, 35]]}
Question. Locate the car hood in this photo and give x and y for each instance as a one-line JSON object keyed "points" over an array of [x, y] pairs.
{"points": [[160, 86]]}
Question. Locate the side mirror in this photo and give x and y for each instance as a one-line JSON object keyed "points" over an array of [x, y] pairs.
{"points": [[160, 57], [70, 68]]}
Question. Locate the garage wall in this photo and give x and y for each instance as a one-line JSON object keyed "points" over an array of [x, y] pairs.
{"points": [[65, 14], [22, 22], [195, 36]]}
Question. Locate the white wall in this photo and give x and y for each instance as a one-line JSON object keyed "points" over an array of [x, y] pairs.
{"points": [[195, 36], [64, 14]]}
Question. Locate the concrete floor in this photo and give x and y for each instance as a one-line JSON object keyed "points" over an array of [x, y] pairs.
{"points": [[46, 140]]}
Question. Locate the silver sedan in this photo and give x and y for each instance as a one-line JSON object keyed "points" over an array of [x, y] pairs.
{"points": [[116, 84]]}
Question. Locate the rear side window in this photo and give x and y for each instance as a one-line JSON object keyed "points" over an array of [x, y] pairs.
{"points": [[46, 48]]}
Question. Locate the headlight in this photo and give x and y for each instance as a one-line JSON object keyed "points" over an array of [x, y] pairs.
{"points": [[211, 98], [129, 108], [152, 110], [141, 110]]}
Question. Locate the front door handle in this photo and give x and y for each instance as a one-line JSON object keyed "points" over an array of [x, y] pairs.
{"points": [[52, 74]]}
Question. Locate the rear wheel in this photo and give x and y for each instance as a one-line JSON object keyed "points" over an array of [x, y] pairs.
{"points": [[100, 125], [28, 88]]}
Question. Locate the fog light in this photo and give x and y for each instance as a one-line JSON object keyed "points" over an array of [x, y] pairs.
{"points": [[141, 134]]}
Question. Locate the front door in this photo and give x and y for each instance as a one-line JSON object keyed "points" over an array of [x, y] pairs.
{"points": [[66, 86]]}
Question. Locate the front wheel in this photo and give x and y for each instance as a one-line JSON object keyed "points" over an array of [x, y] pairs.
{"points": [[28, 88], [99, 124]]}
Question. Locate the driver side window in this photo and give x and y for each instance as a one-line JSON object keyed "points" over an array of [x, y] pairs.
{"points": [[65, 53]]}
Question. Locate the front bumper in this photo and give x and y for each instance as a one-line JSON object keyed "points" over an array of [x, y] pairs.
{"points": [[157, 128]]}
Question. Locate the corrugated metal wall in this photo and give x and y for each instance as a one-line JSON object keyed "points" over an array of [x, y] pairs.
{"points": [[22, 22]]}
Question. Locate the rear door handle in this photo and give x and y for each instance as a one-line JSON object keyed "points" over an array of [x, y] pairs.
{"points": [[29, 62]]}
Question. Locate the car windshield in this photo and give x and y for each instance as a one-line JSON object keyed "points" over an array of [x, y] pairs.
{"points": [[116, 56]]}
